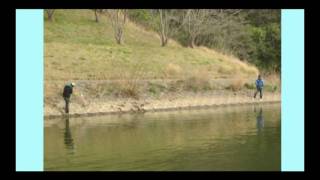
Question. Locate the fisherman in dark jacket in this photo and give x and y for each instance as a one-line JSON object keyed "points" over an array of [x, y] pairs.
{"points": [[67, 91], [259, 86]]}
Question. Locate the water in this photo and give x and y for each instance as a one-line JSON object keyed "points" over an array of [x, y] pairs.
{"points": [[217, 139]]}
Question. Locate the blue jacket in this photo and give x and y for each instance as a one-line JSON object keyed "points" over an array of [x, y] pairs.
{"points": [[259, 83]]}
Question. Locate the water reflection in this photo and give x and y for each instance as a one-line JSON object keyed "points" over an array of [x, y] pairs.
{"points": [[260, 119], [68, 140], [228, 138]]}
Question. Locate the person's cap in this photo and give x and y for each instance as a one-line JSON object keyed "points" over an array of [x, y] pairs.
{"points": [[73, 84]]}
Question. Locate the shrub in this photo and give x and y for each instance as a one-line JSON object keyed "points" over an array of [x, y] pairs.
{"points": [[270, 88], [198, 81], [249, 86], [225, 70], [127, 89], [236, 84], [155, 88], [129, 92], [176, 86], [172, 70]]}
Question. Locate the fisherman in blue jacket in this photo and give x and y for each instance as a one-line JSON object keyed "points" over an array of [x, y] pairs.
{"points": [[259, 86]]}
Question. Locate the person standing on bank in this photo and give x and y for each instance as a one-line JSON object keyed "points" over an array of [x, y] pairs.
{"points": [[67, 91], [259, 86]]}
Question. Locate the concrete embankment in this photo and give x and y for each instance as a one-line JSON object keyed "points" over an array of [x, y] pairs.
{"points": [[166, 103]]}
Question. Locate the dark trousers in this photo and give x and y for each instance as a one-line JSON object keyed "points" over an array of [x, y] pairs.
{"points": [[67, 100], [260, 91]]}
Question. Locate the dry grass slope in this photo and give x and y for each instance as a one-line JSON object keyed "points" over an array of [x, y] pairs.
{"points": [[76, 47]]}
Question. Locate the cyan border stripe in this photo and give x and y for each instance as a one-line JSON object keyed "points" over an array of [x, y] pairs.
{"points": [[292, 128], [29, 90]]}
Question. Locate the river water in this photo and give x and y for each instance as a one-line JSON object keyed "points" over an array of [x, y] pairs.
{"points": [[234, 138]]}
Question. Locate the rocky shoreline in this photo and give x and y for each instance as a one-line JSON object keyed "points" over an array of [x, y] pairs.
{"points": [[130, 105]]}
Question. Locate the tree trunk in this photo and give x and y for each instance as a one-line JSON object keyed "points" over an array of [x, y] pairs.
{"points": [[96, 15], [50, 14], [164, 40], [118, 39], [163, 28], [125, 13], [118, 20], [119, 35], [191, 42]]}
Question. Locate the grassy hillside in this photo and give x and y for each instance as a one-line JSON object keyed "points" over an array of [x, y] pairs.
{"points": [[76, 47]]}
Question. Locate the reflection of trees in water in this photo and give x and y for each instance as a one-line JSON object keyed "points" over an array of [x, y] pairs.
{"points": [[68, 140]]}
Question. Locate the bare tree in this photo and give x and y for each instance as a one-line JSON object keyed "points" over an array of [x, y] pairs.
{"points": [[194, 22], [50, 14], [118, 19], [96, 14], [224, 28], [165, 24], [163, 27], [203, 21]]}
